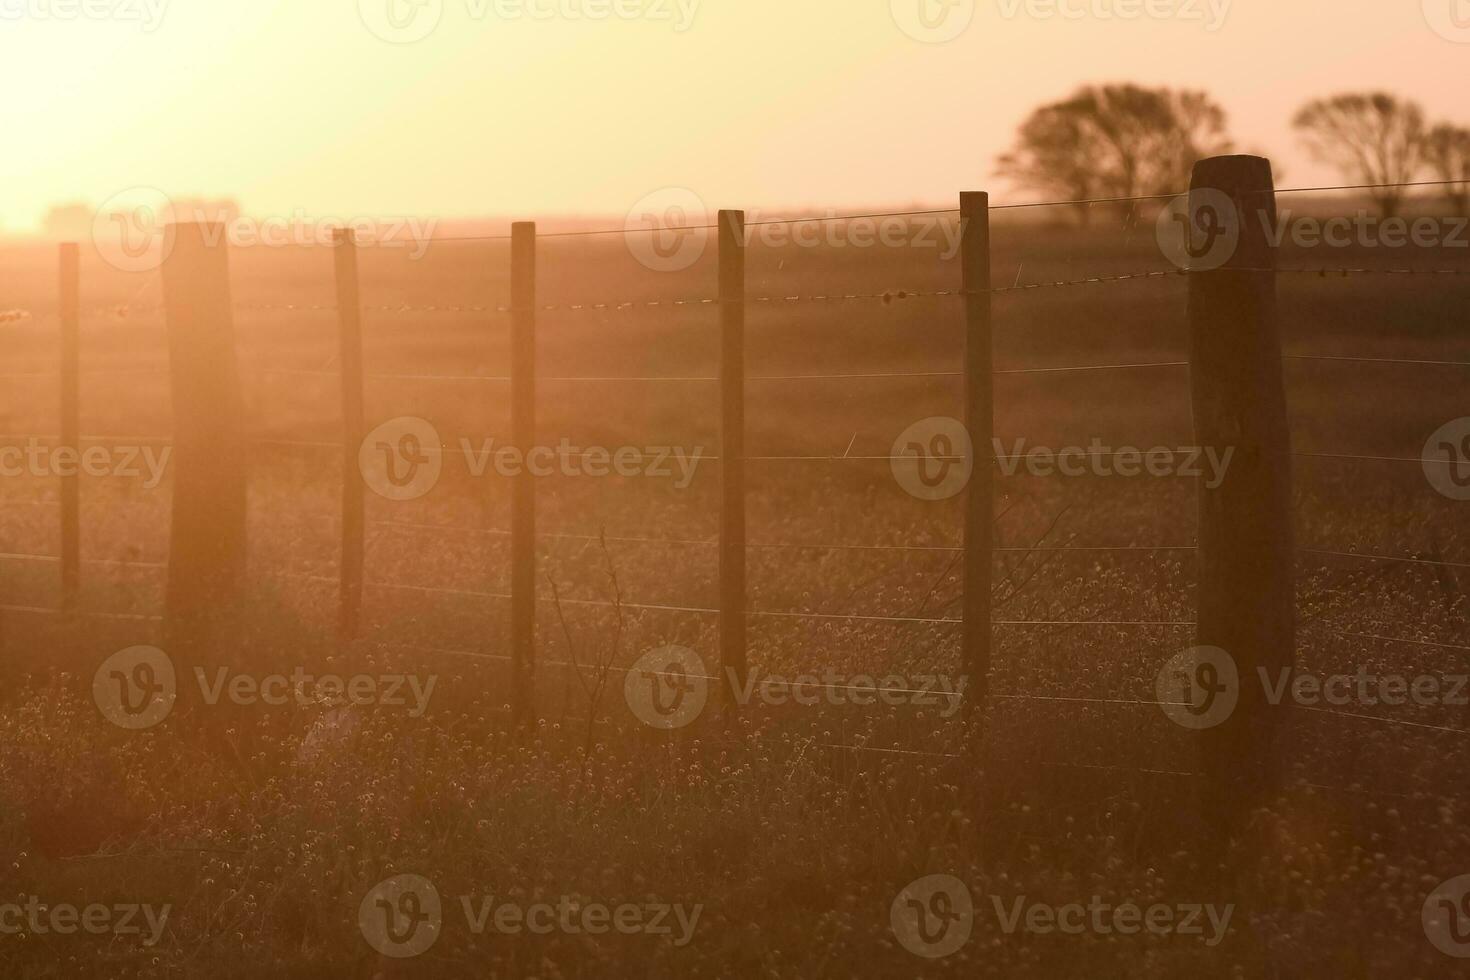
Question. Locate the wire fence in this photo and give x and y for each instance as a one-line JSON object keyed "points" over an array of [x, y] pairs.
{"points": [[887, 298]]}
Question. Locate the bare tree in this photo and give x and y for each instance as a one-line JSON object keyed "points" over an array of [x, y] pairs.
{"points": [[1116, 141], [1447, 151], [1371, 138]]}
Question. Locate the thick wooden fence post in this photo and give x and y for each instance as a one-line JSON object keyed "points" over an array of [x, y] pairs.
{"points": [[980, 424], [207, 534], [1246, 598], [523, 484], [349, 320], [732, 454], [70, 308]]}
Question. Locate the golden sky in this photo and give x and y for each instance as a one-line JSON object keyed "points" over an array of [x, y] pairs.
{"points": [[538, 107]]}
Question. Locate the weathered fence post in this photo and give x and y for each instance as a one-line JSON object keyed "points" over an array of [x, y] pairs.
{"points": [[207, 533], [70, 309], [523, 484], [349, 320], [1246, 591], [732, 454], [980, 424]]}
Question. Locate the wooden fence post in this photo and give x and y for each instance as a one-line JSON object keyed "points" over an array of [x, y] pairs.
{"points": [[732, 454], [980, 424], [523, 484], [1246, 591], [70, 307], [349, 320], [207, 533]]}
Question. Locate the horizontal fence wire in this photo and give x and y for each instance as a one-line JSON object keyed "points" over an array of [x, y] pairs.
{"points": [[754, 613], [1379, 459], [756, 546], [105, 562], [1382, 719], [1375, 360], [1078, 700], [79, 613], [1387, 558], [1082, 202], [1389, 639], [773, 546], [596, 667], [885, 297]]}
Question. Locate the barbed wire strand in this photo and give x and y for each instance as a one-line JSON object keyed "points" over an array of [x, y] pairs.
{"points": [[808, 219]]}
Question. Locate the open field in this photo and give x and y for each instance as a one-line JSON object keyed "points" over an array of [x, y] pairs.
{"points": [[797, 830]]}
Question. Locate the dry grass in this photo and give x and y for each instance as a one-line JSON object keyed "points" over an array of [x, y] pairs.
{"points": [[795, 848]]}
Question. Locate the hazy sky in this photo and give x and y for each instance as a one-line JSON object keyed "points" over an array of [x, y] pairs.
{"points": [[534, 107]]}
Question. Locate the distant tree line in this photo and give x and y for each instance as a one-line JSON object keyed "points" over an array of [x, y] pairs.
{"points": [[1127, 141]]}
